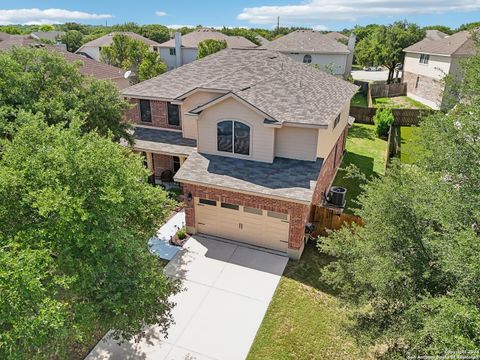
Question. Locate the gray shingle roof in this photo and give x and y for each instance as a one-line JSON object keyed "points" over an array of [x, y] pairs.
{"points": [[460, 43], [192, 39], [336, 36], [48, 35], [285, 178], [96, 69], [106, 40], [435, 35], [4, 36], [286, 90], [163, 141], [307, 41]]}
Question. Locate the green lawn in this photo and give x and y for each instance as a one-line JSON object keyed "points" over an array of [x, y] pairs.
{"points": [[368, 153], [408, 148], [398, 102], [305, 320], [360, 99]]}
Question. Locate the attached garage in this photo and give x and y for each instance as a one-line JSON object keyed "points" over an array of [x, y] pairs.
{"points": [[241, 223]]}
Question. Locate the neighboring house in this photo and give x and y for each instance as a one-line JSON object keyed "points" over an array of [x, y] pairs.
{"points": [[53, 36], [313, 47], [4, 36], [89, 67], [429, 61], [184, 49], [435, 35], [254, 138], [92, 48], [261, 40], [337, 36]]}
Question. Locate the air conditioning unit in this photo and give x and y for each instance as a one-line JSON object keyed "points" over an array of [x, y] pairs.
{"points": [[336, 196]]}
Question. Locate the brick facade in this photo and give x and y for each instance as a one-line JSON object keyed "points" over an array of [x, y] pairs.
{"points": [[427, 87], [159, 114], [329, 169], [298, 212], [162, 163]]}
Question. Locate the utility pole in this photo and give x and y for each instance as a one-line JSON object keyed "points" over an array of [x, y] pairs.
{"points": [[278, 25]]}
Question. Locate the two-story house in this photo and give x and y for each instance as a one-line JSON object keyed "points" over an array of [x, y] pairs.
{"points": [[254, 138], [428, 61], [313, 47], [182, 50]]}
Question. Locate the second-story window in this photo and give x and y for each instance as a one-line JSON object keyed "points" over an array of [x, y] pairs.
{"points": [[424, 58], [307, 59], [173, 114], [145, 111], [233, 137], [172, 51], [337, 120]]}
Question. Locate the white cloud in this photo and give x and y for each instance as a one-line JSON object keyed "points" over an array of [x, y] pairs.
{"points": [[319, 28], [46, 16], [160, 13], [315, 11]]}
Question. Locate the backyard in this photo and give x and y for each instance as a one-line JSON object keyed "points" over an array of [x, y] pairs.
{"points": [[398, 102], [366, 151], [408, 148], [290, 330]]}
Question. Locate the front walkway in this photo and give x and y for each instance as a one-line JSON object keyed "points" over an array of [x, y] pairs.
{"points": [[227, 290], [160, 244]]}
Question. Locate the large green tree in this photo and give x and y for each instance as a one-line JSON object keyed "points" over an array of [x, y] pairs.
{"points": [[383, 45], [41, 81], [155, 32], [134, 55], [413, 269], [210, 46], [75, 213], [72, 40]]}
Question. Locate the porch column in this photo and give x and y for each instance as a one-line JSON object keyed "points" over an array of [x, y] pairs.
{"points": [[182, 160], [150, 161]]}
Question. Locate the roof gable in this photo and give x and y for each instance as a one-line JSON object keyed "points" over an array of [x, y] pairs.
{"points": [[192, 39], [459, 43]]}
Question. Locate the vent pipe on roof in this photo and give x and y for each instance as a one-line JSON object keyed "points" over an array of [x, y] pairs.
{"points": [[178, 49]]}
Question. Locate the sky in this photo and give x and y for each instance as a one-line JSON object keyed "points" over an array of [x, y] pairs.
{"points": [[317, 14]]}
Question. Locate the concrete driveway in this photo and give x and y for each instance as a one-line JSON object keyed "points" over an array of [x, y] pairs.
{"points": [[227, 290]]}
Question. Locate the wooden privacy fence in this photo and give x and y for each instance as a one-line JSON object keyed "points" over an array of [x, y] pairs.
{"points": [[387, 90], [326, 219], [403, 117]]}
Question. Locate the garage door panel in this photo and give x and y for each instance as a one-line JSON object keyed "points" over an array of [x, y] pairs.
{"points": [[256, 229]]}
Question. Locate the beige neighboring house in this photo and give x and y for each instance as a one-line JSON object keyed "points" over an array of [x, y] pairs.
{"points": [[313, 47], [253, 137], [182, 50], [92, 48], [429, 61], [89, 67]]}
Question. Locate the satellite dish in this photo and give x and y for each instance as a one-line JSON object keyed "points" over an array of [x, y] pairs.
{"points": [[127, 74]]}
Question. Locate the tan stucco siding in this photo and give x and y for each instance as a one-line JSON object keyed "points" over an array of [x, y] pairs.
{"points": [[437, 67], [189, 128], [261, 137], [327, 137], [296, 143]]}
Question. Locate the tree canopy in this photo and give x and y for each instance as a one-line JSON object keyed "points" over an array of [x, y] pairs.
{"points": [[383, 45], [134, 55], [156, 32], [413, 269], [210, 46], [75, 213], [72, 40], [41, 81]]}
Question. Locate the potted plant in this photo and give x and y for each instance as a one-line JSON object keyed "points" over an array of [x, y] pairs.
{"points": [[180, 237]]}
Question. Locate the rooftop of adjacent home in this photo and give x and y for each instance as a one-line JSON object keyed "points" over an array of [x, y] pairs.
{"points": [[284, 90], [192, 39], [459, 44], [307, 41]]}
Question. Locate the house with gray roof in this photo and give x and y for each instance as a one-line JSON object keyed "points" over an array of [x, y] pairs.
{"points": [[313, 47], [92, 48], [182, 50], [428, 61], [253, 137]]}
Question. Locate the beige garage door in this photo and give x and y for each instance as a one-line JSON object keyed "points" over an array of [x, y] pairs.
{"points": [[254, 226]]}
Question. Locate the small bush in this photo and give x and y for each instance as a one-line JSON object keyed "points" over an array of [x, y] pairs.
{"points": [[383, 119], [182, 234]]}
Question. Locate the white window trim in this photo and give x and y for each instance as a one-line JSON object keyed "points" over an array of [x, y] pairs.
{"points": [[233, 153]]}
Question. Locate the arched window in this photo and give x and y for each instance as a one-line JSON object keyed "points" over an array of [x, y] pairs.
{"points": [[307, 59], [233, 137]]}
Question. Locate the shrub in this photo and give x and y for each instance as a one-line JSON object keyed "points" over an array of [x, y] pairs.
{"points": [[182, 234], [383, 119]]}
